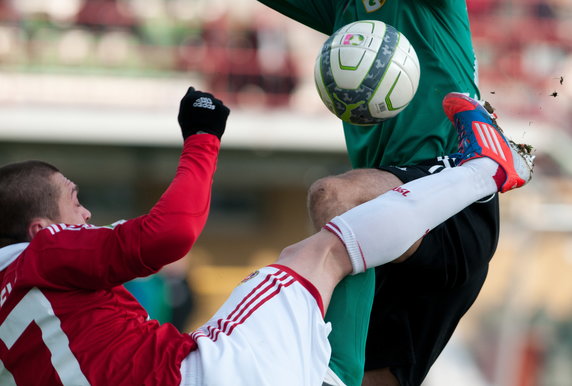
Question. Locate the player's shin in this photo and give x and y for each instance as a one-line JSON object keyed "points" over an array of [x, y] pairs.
{"points": [[381, 230]]}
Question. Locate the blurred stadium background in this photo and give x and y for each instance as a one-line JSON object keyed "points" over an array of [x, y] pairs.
{"points": [[93, 86]]}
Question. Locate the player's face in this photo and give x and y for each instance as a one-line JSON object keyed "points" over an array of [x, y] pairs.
{"points": [[71, 211]]}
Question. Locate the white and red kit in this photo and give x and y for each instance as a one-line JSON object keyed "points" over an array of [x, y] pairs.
{"points": [[66, 319]]}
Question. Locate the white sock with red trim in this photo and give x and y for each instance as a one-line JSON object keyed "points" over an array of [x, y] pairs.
{"points": [[381, 230]]}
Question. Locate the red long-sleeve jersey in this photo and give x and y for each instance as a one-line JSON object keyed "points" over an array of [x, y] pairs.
{"points": [[65, 317]]}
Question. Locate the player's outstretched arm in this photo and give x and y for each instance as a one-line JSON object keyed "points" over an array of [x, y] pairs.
{"points": [[175, 222]]}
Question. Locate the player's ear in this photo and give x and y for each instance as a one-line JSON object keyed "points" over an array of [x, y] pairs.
{"points": [[36, 225]]}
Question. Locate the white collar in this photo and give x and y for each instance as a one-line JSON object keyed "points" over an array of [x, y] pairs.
{"points": [[10, 253]]}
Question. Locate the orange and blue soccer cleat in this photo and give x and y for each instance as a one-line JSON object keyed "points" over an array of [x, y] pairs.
{"points": [[480, 136]]}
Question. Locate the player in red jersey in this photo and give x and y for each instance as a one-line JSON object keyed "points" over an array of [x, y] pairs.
{"points": [[65, 317]]}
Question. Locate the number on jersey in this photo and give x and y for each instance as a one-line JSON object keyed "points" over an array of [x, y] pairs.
{"points": [[35, 307]]}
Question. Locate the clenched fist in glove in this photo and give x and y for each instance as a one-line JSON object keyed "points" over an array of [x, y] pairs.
{"points": [[201, 112]]}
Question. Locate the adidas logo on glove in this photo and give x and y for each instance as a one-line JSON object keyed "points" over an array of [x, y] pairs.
{"points": [[205, 103], [202, 112]]}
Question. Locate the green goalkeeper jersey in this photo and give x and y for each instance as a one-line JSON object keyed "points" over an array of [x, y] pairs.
{"points": [[439, 32]]}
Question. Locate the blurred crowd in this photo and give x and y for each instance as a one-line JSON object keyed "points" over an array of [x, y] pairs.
{"points": [[524, 47], [238, 58]]}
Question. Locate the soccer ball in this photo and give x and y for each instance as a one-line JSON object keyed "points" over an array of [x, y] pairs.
{"points": [[366, 72]]}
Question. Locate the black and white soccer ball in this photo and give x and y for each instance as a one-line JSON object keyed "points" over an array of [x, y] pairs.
{"points": [[367, 72]]}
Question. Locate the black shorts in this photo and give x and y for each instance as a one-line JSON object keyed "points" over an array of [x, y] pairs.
{"points": [[419, 302]]}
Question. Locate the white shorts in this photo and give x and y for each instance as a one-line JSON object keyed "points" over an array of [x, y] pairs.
{"points": [[270, 331]]}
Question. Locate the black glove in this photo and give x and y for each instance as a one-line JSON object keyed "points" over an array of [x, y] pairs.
{"points": [[201, 112]]}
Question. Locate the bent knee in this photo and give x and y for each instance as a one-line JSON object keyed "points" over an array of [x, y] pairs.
{"points": [[325, 189], [351, 188], [331, 196], [327, 198]]}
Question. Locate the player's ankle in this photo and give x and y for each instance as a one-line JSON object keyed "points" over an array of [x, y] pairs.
{"points": [[488, 169]]}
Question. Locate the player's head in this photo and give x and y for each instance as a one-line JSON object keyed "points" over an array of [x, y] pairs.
{"points": [[33, 195]]}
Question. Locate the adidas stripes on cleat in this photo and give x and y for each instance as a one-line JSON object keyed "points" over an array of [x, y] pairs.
{"points": [[479, 136]]}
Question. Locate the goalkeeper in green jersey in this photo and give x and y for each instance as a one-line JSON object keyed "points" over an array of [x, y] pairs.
{"points": [[417, 302]]}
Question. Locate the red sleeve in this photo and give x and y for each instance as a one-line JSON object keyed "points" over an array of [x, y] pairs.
{"points": [[102, 257], [173, 225]]}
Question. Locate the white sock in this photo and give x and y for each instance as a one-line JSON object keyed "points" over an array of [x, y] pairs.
{"points": [[381, 230]]}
